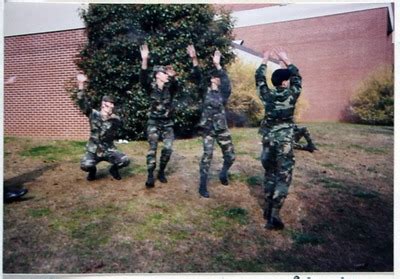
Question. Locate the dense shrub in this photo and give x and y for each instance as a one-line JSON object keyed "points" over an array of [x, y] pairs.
{"points": [[374, 100], [111, 58]]}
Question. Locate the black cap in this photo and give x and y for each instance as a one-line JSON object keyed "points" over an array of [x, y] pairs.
{"points": [[280, 75], [107, 98]]}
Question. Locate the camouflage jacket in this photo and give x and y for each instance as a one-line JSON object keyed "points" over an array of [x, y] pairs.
{"points": [[214, 101], [279, 103], [102, 132], [161, 106]]}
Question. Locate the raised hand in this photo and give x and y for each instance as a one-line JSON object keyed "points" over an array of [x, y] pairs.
{"points": [[191, 51], [217, 59], [266, 56], [144, 52], [81, 80], [282, 55]]}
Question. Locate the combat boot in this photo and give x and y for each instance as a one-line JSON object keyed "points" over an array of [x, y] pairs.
{"points": [[114, 172], [203, 186], [161, 175], [150, 180], [223, 175], [274, 222], [91, 174], [310, 147]]}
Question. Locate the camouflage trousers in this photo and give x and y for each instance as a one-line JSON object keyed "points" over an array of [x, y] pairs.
{"points": [[278, 161], [112, 156], [224, 140], [300, 132], [154, 134]]}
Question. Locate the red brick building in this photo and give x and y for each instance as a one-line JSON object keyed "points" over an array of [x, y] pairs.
{"points": [[334, 46]]}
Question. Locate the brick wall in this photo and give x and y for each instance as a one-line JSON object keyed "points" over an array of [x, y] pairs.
{"points": [[37, 104], [334, 53]]}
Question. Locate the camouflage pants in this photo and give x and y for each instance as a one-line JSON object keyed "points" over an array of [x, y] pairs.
{"points": [[224, 140], [114, 157], [154, 134], [300, 132], [278, 161]]}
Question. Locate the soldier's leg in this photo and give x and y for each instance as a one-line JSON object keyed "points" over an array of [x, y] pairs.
{"points": [[152, 138], [268, 160], [168, 139], [205, 163], [285, 163], [310, 145], [118, 160], [88, 164], [225, 142]]}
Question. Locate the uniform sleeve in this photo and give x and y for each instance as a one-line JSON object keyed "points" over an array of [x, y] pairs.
{"points": [[225, 86], [295, 80], [83, 103], [195, 75], [174, 86], [261, 82], [145, 82]]}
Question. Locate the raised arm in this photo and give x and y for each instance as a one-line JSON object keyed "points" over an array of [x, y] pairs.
{"points": [[225, 86], [195, 74], [295, 78], [261, 81], [144, 72], [82, 101]]}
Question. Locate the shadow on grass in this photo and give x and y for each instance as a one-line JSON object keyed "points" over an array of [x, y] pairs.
{"points": [[20, 180]]}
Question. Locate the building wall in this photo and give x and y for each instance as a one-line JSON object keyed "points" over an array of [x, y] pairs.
{"points": [[37, 104], [333, 53]]}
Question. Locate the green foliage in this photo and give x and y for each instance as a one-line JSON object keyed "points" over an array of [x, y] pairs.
{"points": [[374, 100], [244, 104], [56, 151], [111, 57]]}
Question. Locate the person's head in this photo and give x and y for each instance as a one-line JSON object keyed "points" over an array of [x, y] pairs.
{"points": [[107, 105], [281, 78], [215, 78], [160, 73]]}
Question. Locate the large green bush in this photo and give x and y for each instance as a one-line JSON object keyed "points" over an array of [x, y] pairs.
{"points": [[111, 57], [374, 100]]}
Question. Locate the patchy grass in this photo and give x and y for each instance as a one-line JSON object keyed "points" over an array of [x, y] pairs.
{"points": [[340, 203]]}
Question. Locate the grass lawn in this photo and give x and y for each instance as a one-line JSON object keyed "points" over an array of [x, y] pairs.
{"points": [[338, 215]]}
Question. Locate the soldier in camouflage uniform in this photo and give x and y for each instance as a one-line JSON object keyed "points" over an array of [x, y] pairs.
{"points": [[277, 129], [213, 120], [160, 124], [103, 128], [300, 132]]}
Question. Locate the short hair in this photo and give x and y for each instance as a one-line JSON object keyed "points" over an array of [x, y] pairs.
{"points": [[280, 75], [107, 98]]}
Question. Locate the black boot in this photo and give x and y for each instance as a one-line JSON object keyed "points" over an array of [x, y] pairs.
{"points": [[150, 180], [203, 186], [92, 174], [114, 172], [274, 222], [223, 175], [310, 148], [161, 176]]}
